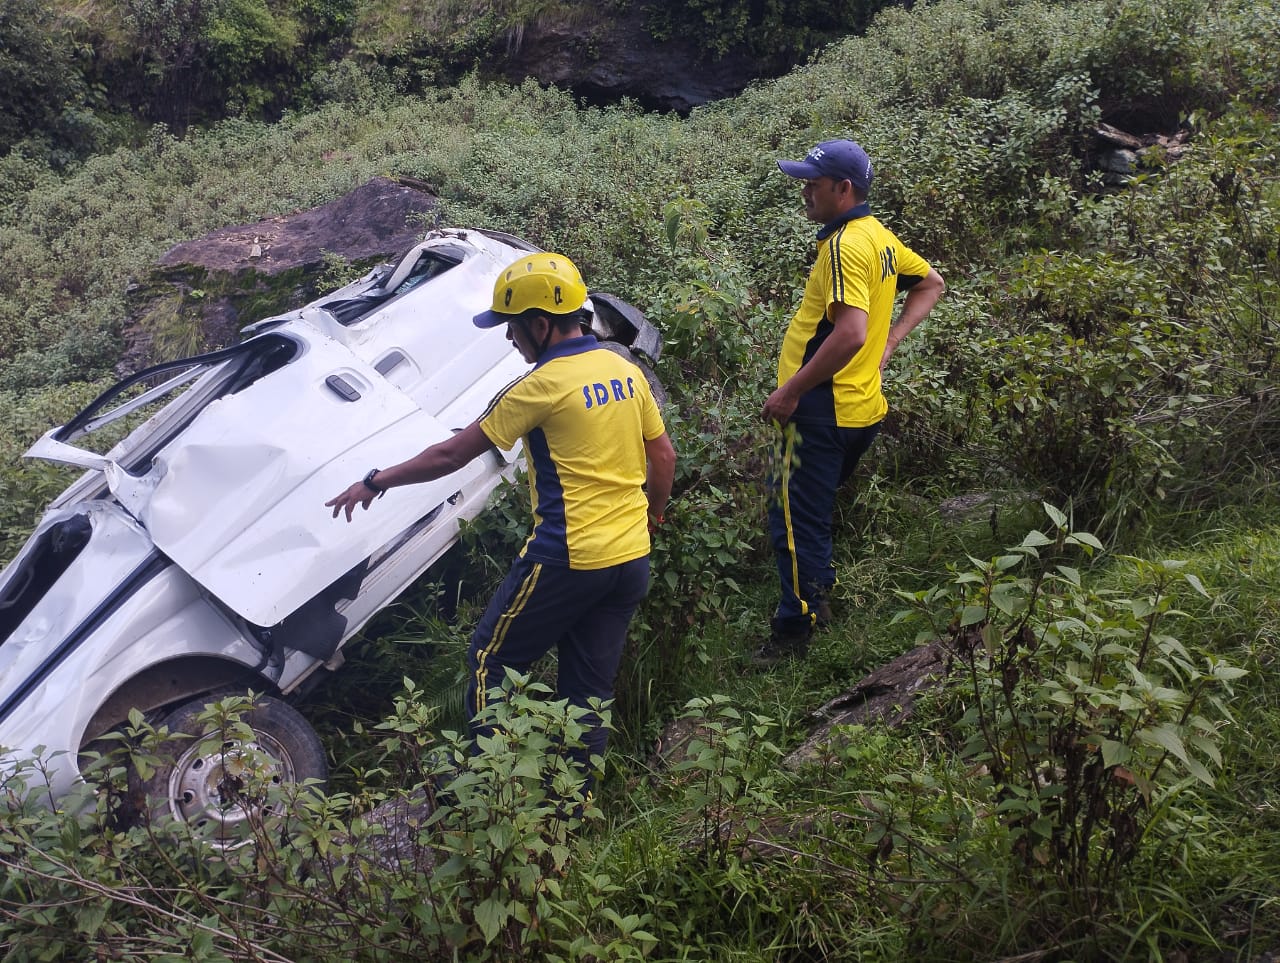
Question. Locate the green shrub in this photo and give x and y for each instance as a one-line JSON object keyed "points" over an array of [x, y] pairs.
{"points": [[47, 100], [1083, 716], [703, 310], [776, 32], [491, 875]]}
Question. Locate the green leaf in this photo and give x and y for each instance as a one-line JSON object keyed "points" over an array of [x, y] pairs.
{"points": [[1197, 769], [671, 223], [1072, 575], [201, 943], [1208, 746], [528, 767], [1084, 538], [991, 637], [1007, 598], [490, 917], [1141, 608], [1036, 540], [1166, 737], [1196, 584], [1114, 753], [90, 919]]}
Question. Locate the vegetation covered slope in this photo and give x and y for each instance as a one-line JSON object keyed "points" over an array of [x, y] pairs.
{"points": [[83, 76], [1099, 787]]}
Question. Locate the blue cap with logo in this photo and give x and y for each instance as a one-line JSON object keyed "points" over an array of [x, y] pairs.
{"points": [[842, 159]]}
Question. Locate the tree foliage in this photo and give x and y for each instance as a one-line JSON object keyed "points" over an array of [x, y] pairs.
{"points": [[198, 60], [778, 31], [48, 104]]}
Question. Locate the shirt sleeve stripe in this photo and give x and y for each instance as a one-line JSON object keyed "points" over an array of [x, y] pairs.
{"points": [[837, 275], [498, 397]]}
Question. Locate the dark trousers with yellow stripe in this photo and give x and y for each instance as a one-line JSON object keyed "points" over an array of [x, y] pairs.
{"points": [[583, 614], [813, 462]]}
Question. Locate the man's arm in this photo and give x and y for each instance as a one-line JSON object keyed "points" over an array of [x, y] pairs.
{"points": [[431, 463], [661, 455], [848, 335], [917, 304]]}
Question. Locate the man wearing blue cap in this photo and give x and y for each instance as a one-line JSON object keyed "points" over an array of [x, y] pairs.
{"points": [[600, 471], [829, 403]]}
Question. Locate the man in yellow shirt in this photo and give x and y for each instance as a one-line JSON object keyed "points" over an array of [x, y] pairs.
{"points": [[600, 471], [828, 402]]}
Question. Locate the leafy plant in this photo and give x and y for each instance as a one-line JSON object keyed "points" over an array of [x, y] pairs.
{"points": [[488, 872], [778, 31], [725, 773], [1081, 714], [704, 312]]}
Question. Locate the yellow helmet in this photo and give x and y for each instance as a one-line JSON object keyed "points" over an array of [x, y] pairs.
{"points": [[546, 282]]}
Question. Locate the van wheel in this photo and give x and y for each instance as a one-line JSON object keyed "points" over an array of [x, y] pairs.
{"points": [[219, 783]]}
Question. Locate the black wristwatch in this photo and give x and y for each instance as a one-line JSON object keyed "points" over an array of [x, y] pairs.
{"points": [[370, 484]]}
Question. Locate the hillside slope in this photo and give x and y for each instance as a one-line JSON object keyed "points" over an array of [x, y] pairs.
{"points": [[1097, 785]]}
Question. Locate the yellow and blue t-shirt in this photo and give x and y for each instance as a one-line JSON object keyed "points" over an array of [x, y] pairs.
{"points": [[584, 414], [860, 263]]}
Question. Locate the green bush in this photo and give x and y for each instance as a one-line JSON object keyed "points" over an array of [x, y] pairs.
{"points": [[777, 32], [47, 104], [1084, 717], [26, 487], [490, 875]]}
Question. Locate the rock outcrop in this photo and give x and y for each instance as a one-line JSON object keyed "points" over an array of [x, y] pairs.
{"points": [[205, 290], [374, 220], [606, 61], [1119, 155]]}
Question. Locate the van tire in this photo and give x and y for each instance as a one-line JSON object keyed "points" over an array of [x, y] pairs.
{"points": [[218, 789]]}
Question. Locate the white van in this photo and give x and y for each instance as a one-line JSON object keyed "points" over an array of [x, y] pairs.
{"points": [[195, 556]]}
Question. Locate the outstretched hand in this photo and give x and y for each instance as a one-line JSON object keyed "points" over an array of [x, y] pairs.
{"points": [[358, 494]]}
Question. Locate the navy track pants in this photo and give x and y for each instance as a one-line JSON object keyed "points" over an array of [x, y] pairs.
{"points": [[812, 463], [583, 614]]}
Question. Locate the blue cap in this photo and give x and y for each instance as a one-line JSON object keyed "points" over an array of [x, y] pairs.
{"points": [[842, 159]]}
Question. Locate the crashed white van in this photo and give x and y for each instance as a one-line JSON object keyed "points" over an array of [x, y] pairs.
{"points": [[195, 556]]}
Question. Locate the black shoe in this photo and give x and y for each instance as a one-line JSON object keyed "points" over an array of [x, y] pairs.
{"points": [[785, 642], [822, 610]]}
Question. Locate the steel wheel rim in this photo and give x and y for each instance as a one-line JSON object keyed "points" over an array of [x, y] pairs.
{"points": [[218, 789]]}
